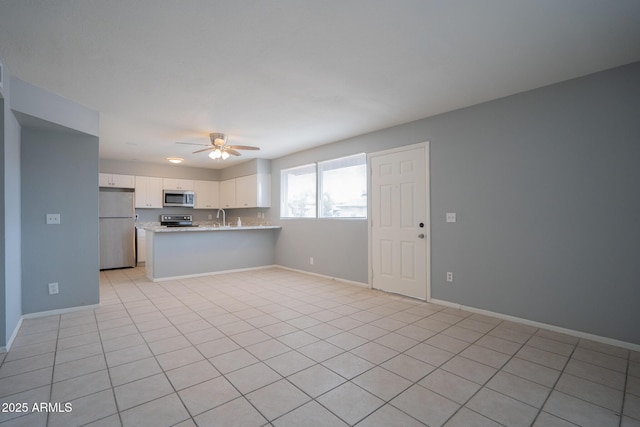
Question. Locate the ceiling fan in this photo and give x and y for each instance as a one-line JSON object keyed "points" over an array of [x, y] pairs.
{"points": [[219, 147]]}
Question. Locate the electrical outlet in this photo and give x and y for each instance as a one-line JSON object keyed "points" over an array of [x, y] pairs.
{"points": [[53, 288], [451, 217], [449, 276], [311, 260], [53, 218], [210, 216]]}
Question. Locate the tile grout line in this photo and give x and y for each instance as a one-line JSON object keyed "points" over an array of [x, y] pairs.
{"points": [[482, 386], [540, 410], [624, 389], [104, 356], [53, 367]]}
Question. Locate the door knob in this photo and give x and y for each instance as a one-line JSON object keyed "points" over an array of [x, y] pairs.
{"points": [[421, 236]]}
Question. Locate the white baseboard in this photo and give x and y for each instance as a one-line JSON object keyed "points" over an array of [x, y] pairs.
{"points": [[577, 334], [262, 267], [210, 273], [324, 276], [12, 337], [43, 314], [59, 311]]}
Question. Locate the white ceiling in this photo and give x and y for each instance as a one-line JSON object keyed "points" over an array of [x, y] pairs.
{"points": [[287, 75]]}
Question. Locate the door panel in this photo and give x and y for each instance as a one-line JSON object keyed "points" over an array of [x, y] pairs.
{"points": [[385, 257], [399, 204]]}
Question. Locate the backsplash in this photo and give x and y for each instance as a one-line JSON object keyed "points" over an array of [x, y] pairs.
{"points": [[202, 215], [249, 217]]}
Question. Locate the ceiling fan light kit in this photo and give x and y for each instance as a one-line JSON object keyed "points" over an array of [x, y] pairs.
{"points": [[217, 154]]}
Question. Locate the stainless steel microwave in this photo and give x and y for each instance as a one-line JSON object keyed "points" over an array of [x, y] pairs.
{"points": [[182, 198]]}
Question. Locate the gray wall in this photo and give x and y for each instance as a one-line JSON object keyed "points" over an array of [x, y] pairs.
{"points": [[59, 175], [55, 170], [545, 187], [3, 284], [10, 259]]}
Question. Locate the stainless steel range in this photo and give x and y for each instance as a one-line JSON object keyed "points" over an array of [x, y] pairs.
{"points": [[177, 221]]}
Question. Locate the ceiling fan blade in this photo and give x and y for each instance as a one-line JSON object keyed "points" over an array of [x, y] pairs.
{"points": [[232, 151], [242, 147], [204, 149], [191, 143]]}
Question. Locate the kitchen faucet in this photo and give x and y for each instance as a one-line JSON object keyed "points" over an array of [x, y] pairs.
{"points": [[224, 216]]}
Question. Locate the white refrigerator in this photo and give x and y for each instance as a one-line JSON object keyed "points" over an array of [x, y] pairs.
{"points": [[117, 229]]}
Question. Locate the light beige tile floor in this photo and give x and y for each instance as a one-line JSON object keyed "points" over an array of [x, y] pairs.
{"points": [[274, 347]]}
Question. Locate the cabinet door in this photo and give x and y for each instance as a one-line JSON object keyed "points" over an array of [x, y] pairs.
{"points": [[246, 192], [123, 181], [116, 181], [228, 193], [104, 179], [206, 194], [263, 182], [141, 191], [253, 191], [142, 246], [177, 184], [148, 192]]}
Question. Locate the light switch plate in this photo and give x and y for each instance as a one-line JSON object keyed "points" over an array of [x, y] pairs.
{"points": [[451, 217], [53, 218], [53, 288]]}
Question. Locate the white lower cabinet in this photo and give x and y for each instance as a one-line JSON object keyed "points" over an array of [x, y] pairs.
{"points": [[141, 254]]}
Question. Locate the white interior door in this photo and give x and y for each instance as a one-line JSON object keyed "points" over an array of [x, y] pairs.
{"points": [[399, 240]]}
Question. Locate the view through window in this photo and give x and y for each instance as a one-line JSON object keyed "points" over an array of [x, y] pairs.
{"points": [[335, 188], [343, 187], [298, 192]]}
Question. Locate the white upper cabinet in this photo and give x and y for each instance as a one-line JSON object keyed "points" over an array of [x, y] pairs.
{"points": [[207, 194], [228, 193], [177, 184], [253, 191], [148, 192], [116, 181]]}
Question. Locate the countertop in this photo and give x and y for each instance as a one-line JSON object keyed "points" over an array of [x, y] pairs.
{"points": [[164, 229]]}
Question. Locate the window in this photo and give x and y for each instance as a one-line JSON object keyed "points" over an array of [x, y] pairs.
{"points": [[343, 187], [337, 190], [298, 192]]}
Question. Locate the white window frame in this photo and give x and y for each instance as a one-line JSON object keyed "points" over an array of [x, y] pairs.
{"points": [[284, 191], [318, 186], [320, 180]]}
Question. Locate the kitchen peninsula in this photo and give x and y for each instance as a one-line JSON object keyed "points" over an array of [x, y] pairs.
{"points": [[179, 252]]}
